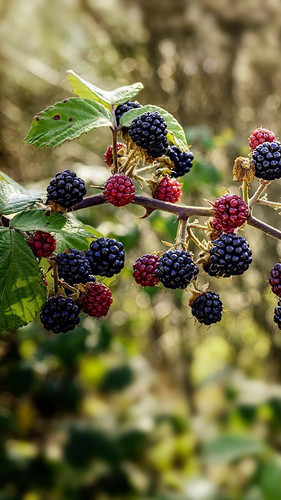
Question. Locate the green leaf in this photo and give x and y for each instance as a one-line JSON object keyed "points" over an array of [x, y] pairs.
{"points": [[36, 220], [270, 479], [231, 447], [175, 131], [13, 200], [22, 290], [84, 89], [67, 120], [9, 180], [76, 235]]}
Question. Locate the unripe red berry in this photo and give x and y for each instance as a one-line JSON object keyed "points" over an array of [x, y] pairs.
{"points": [[275, 279], [108, 155], [96, 300], [144, 270], [119, 190], [42, 244], [230, 212], [168, 190], [259, 136]]}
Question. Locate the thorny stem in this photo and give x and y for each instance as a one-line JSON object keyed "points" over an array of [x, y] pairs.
{"points": [[262, 187], [182, 211], [262, 226]]}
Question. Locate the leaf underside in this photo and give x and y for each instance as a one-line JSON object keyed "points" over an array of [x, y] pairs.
{"points": [[84, 89]]}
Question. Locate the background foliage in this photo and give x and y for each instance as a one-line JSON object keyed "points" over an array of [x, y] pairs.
{"points": [[145, 405]]}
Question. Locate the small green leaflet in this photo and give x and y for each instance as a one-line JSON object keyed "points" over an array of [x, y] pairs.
{"points": [[227, 448], [8, 180], [70, 231], [36, 220], [84, 89], [76, 235], [12, 200], [67, 120], [175, 131], [22, 290]]}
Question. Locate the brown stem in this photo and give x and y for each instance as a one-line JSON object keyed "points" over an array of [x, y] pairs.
{"points": [[262, 226], [182, 211]]}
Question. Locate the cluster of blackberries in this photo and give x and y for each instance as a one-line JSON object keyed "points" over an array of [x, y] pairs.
{"points": [[266, 155], [275, 283], [76, 271], [229, 255]]}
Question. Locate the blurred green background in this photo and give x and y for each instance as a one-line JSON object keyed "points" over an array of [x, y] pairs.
{"points": [[146, 405]]}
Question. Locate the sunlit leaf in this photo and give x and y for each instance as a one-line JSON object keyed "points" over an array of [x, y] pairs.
{"points": [[13, 200], [67, 120], [84, 89]]}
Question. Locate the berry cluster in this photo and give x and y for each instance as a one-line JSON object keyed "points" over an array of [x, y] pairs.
{"points": [[75, 276], [146, 150]]}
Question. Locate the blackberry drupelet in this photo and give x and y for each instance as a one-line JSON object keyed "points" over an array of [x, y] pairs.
{"points": [[275, 279], [42, 244], [119, 190], [144, 270], [149, 131], [74, 267], [229, 255], [60, 314], [123, 108], [106, 257], [267, 160], [277, 314], [176, 269], [182, 161], [96, 300], [207, 308], [66, 189]]}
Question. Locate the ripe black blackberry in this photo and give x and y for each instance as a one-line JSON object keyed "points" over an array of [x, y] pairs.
{"points": [[230, 255], [74, 267], [207, 308], [106, 257], [60, 314], [277, 314], [149, 131], [66, 189], [176, 269], [267, 160], [123, 108], [275, 279], [182, 161]]}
